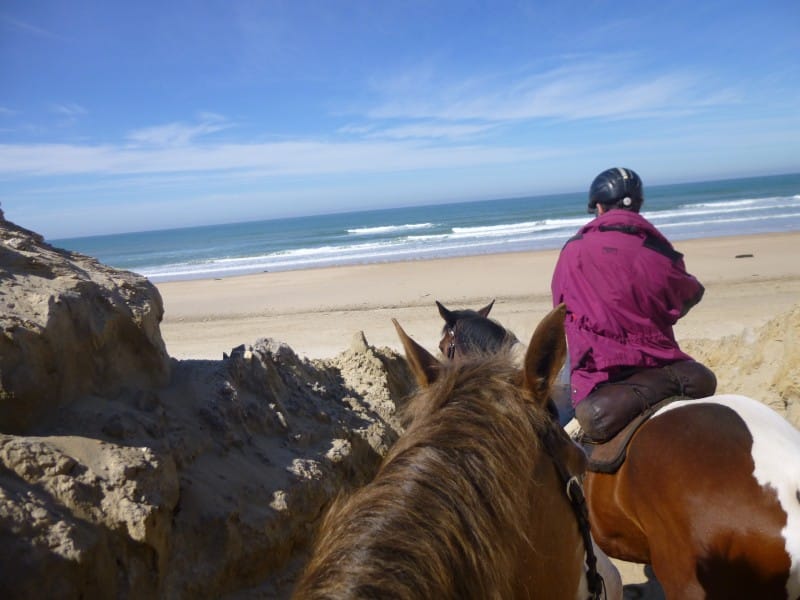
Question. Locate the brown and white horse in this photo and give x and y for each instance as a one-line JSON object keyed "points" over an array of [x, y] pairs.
{"points": [[472, 500], [709, 496]]}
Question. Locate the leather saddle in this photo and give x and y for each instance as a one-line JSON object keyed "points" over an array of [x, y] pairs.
{"points": [[608, 456]]}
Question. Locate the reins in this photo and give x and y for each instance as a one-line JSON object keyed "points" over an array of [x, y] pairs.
{"points": [[577, 499]]}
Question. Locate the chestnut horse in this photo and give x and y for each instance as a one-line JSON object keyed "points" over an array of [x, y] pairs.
{"points": [[472, 500], [709, 496]]}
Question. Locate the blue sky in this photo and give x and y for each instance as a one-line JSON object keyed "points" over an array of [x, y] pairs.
{"points": [[127, 116]]}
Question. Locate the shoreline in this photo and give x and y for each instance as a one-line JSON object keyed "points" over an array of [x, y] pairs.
{"points": [[749, 279]]}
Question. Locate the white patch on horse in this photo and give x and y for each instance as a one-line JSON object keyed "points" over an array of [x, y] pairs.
{"points": [[776, 454]]}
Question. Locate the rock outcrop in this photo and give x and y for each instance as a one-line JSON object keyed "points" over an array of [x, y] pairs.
{"points": [[71, 327], [124, 473]]}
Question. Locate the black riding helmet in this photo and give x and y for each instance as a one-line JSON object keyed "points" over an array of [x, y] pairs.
{"points": [[617, 187]]}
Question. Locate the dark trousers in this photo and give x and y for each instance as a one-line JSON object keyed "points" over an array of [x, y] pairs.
{"points": [[611, 406]]}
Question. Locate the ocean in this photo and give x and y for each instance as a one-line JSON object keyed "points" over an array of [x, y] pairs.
{"points": [[681, 211]]}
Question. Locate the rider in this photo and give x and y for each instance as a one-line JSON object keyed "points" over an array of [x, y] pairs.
{"points": [[624, 287]]}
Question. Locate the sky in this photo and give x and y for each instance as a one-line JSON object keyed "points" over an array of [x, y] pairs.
{"points": [[132, 116]]}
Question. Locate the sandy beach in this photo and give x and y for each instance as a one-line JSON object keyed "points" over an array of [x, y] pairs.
{"points": [[748, 280]]}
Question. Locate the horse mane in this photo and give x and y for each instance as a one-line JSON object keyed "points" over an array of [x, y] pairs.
{"points": [[440, 519]]}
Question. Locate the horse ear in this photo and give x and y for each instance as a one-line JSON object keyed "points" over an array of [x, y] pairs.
{"points": [[423, 364], [546, 353], [447, 315], [484, 312]]}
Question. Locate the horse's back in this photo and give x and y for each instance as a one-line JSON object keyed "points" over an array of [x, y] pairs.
{"points": [[721, 476]]}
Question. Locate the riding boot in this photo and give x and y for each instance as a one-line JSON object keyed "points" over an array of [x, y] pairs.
{"points": [[605, 411], [611, 406], [694, 379]]}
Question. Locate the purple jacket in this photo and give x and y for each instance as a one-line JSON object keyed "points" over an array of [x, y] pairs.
{"points": [[624, 286]]}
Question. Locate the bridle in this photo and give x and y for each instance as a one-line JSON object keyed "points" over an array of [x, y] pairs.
{"points": [[451, 344]]}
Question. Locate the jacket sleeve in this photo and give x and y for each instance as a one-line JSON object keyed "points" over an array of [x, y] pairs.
{"points": [[691, 302], [685, 291]]}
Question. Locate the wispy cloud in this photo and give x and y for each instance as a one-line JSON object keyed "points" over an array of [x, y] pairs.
{"points": [[593, 88], [429, 130], [68, 114], [241, 161], [28, 28], [428, 123], [275, 159], [179, 134], [70, 111]]}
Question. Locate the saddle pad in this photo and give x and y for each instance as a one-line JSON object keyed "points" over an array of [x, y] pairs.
{"points": [[608, 456]]}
